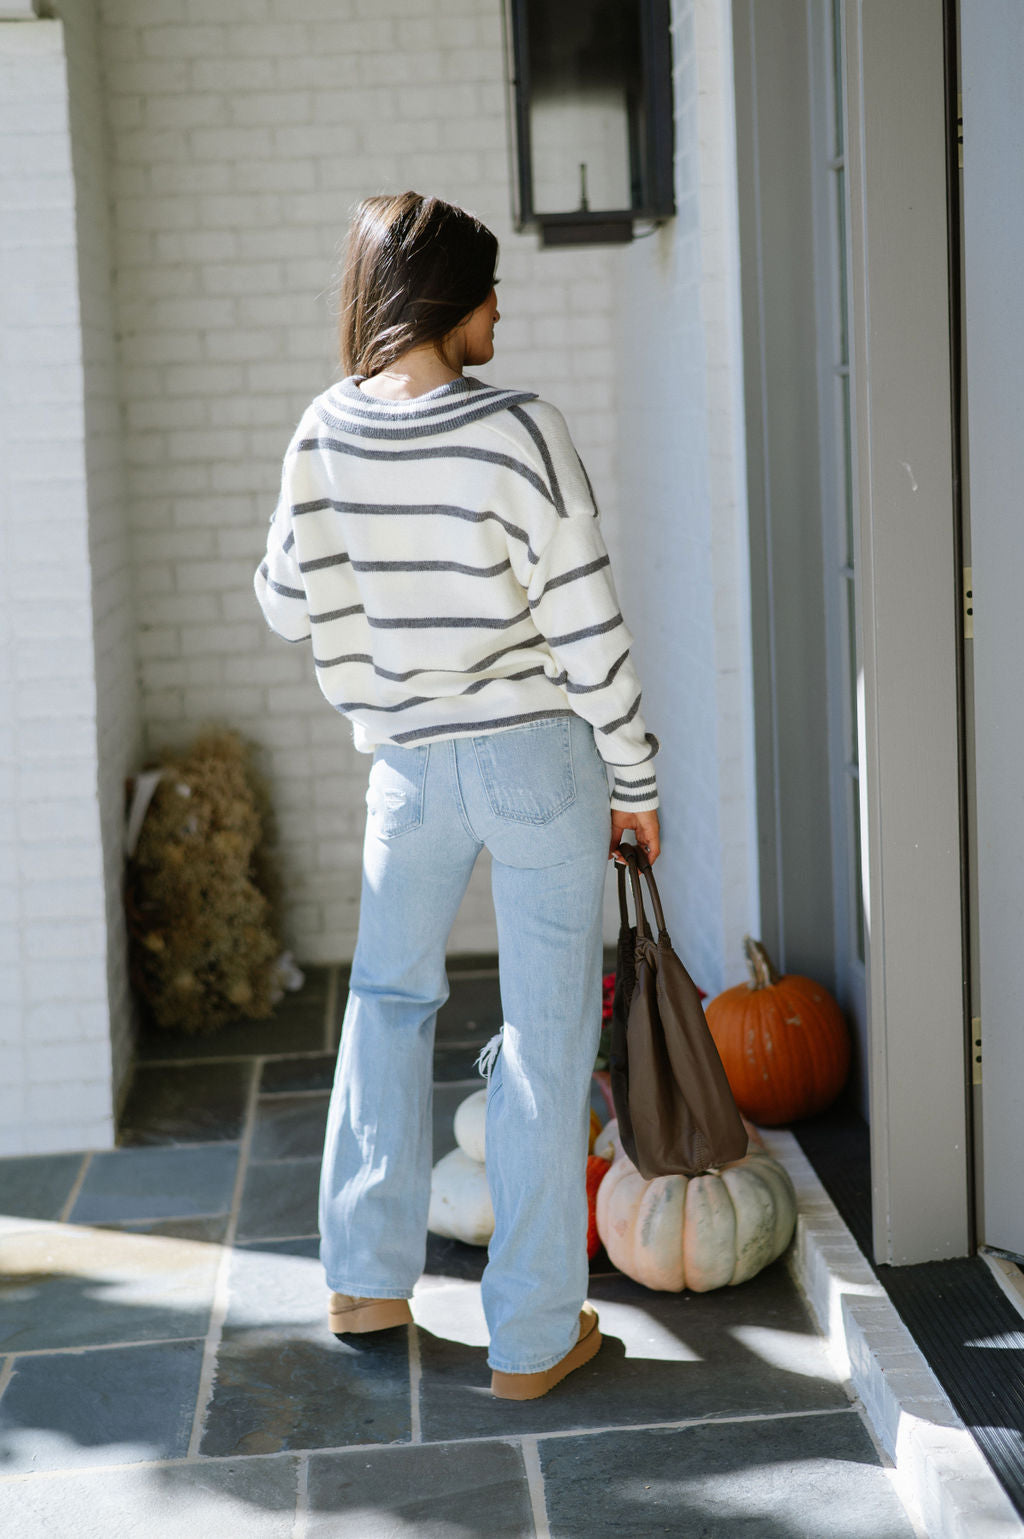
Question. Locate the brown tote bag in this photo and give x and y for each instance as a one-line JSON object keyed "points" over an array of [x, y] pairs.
{"points": [[676, 1112]]}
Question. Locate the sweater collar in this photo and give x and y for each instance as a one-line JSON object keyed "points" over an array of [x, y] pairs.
{"points": [[348, 409]]}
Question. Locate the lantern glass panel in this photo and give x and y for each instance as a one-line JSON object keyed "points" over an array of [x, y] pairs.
{"points": [[586, 105]]}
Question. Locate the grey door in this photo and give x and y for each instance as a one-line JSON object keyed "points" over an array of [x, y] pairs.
{"points": [[992, 61]]}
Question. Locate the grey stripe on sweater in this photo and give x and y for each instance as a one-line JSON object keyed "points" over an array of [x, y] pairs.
{"points": [[449, 452], [414, 510]]}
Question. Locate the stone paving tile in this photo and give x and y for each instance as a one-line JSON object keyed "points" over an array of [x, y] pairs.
{"points": [[290, 1127], [210, 1230], [222, 1499], [666, 1357], [457, 1060], [65, 1287], [125, 1184], [186, 1103], [444, 1491], [283, 1381], [472, 1009], [296, 1026], [447, 1099], [38, 1185], [313, 1072], [341, 995], [472, 962], [276, 1283], [447, 1259], [279, 1200], [117, 1405], [800, 1477]]}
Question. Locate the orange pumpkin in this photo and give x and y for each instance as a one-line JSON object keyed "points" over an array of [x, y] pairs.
{"points": [[597, 1169], [783, 1042]]}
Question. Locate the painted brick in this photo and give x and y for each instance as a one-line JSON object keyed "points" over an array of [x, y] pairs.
{"points": [[229, 74], [182, 42], [65, 1136], [54, 1063], [69, 820], [240, 196], [54, 780], [164, 705], [208, 177], [71, 979], [152, 580], [225, 508], [181, 111], [272, 106], [154, 642], [76, 1101], [667, 459]]}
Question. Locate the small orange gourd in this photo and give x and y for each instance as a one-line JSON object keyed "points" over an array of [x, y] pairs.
{"points": [[782, 1040], [597, 1169]]}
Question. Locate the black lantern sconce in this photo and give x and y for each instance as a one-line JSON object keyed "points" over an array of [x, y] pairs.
{"points": [[593, 115]]}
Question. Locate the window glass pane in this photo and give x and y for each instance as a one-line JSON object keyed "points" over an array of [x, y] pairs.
{"points": [[585, 98], [858, 875], [846, 486], [839, 182], [850, 665], [837, 73]]}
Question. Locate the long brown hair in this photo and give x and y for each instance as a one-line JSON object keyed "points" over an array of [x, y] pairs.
{"points": [[414, 268]]}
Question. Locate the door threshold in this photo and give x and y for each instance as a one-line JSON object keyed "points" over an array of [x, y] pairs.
{"points": [[1006, 1269]]}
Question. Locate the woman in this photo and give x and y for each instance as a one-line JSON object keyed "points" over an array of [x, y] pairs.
{"points": [[437, 540]]}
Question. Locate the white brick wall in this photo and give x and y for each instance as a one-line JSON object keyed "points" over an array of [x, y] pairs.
{"points": [[237, 151], [229, 155], [55, 1063], [681, 540], [118, 718]]}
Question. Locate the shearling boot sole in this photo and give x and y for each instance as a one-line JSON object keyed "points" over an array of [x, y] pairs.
{"points": [[347, 1316], [530, 1386]]}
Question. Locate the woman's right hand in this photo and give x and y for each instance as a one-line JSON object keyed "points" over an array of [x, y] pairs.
{"points": [[646, 827]]}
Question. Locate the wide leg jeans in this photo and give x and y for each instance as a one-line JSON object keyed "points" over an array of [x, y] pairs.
{"points": [[537, 797]]}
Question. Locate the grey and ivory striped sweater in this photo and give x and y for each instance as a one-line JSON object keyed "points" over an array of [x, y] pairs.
{"points": [[444, 555]]}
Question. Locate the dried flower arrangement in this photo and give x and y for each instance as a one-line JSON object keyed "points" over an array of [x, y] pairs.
{"points": [[200, 901]]}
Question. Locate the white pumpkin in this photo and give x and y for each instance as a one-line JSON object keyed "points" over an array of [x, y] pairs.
{"points": [[696, 1232], [460, 1203], [469, 1123]]}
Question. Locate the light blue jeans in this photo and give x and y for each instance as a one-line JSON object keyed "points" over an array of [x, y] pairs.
{"points": [[537, 797]]}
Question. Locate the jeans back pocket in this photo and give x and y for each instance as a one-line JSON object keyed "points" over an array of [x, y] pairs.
{"points": [[394, 795], [527, 772]]}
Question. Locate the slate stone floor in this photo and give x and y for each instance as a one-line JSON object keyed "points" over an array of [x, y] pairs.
{"points": [[166, 1371]]}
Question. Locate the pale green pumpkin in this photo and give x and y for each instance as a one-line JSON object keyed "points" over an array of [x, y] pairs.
{"points": [[697, 1232]]}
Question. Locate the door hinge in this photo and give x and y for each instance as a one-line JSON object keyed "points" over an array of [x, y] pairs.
{"points": [[960, 130], [968, 604], [976, 1050]]}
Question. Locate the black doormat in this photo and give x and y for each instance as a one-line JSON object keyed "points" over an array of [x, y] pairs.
{"points": [[969, 1332]]}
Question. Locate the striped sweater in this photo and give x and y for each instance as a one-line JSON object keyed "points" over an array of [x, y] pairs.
{"points": [[444, 554]]}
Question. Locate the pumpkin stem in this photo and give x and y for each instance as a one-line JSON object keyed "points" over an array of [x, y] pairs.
{"points": [[763, 973]]}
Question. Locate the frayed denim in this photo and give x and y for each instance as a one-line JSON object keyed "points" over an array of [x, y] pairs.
{"points": [[537, 797]]}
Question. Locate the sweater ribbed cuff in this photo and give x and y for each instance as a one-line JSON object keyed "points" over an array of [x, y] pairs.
{"points": [[635, 793]]}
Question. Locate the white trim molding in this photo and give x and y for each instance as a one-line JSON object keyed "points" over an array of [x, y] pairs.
{"points": [[909, 608]]}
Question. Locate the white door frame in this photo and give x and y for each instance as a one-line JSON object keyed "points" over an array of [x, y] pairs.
{"points": [[910, 591]]}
